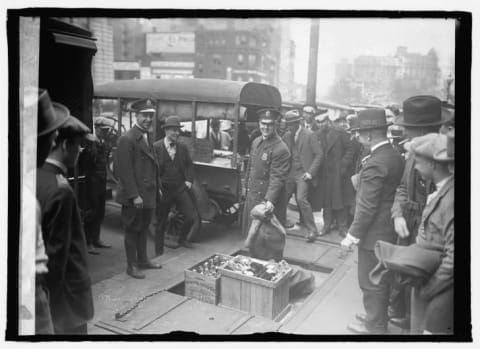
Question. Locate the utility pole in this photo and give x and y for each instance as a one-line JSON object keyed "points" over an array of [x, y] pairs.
{"points": [[312, 62]]}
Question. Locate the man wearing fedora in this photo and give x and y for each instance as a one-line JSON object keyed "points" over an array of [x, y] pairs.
{"points": [[306, 158], [338, 158], [136, 168], [378, 179], [48, 123], [421, 115], [433, 155], [67, 280], [267, 170], [176, 177]]}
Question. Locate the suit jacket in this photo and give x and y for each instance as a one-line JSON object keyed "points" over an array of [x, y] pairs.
{"points": [[338, 156], [68, 280], [413, 190], [309, 150], [379, 178], [182, 155], [136, 168], [437, 232]]}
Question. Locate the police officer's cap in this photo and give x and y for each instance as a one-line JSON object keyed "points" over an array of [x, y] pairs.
{"points": [[268, 115], [143, 106]]}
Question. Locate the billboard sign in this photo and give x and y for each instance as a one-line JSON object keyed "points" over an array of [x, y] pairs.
{"points": [[171, 42]]}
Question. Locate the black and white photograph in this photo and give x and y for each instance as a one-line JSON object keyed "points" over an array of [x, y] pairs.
{"points": [[280, 174]]}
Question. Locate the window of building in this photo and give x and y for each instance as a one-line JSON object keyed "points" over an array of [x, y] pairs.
{"points": [[200, 68], [240, 59], [252, 59], [217, 59]]}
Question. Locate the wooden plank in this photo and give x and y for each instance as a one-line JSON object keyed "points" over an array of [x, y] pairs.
{"points": [[197, 316], [313, 300], [332, 258], [257, 324]]}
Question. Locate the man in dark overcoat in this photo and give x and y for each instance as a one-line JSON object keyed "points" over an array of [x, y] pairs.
{"points": [[421, 115], [433, 154], [176, 177], [136, 168], [379, 177], [267, 170], [338, 153], [67, 280], [306, 158]]}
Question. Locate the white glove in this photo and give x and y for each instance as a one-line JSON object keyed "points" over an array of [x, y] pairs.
{"points": [[307, 176], [348, 241], [188, 184], [269, 206]]}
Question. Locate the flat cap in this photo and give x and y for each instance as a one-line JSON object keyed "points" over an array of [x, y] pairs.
{"points": [[427, 145], [292, 116]]}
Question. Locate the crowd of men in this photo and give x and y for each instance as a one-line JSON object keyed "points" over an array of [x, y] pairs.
{"points": [[391, 198], [371, 187]]}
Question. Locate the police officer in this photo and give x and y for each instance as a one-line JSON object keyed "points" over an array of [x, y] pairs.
{"points": [[267, 169], [137, 168]]}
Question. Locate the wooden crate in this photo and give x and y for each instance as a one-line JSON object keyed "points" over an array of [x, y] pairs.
{"points": [[205, 288], [254, 295]]}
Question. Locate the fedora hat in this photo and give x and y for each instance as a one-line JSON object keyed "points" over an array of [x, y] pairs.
{"points": [[422, 111], [172, 121], [372, 118], [310, 109], [447, 154], [48, 119], [292, 116], [72, 127], [268, 114]]}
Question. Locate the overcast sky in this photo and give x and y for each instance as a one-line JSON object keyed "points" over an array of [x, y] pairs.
{"points": [[347, 38]]}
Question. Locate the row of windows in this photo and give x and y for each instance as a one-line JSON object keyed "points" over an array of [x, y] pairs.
{"points": [[217, 60], [240, 40]]}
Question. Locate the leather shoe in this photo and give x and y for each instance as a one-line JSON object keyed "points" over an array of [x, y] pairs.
{"points": [[361, 317], [311, 237], [403, 323], [289, 224], [91, 250], [134, 272], [149, 265], [185, 244], [101, 244], [358, 328]]}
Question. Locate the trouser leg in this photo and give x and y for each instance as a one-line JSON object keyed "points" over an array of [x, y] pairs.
{"points": [[131, 222], [43, 317], [141, 242], [439, 313], [341, 218], [99, 214], [162, 210], [327, 219], [185, 206], [304, 206], [375, 298]]}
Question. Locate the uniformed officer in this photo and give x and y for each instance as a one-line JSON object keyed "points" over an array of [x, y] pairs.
{"points": [[68, 281], [267, 169], [137, 169]]}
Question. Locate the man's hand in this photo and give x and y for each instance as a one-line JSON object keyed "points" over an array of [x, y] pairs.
{"points": [[269, 206], [307, 176], [188, 184], [160, 193], [138, 202], [346, 244], [400, 225]]}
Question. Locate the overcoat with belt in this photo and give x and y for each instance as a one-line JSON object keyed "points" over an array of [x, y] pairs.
{"points": [[338, 155], [266, 177], [379, 177], [136, 168], [309, 149], [436, 231], [68, 280]]}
